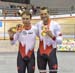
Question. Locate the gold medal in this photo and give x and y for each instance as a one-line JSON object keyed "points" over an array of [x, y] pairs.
{"points": [[43, 31], [13, 29], [43, 34]]}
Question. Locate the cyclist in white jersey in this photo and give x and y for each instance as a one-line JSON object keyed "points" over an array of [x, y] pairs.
{"points": [[49, 33], [26, 38]]}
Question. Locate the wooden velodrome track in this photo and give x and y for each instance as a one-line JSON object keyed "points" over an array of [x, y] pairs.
{"points": [[67, 25]]}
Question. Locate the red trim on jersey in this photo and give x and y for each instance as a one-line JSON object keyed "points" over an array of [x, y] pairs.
{"points": [[30, 53], [22, 50], [55, 66], [47, 50], [49, 20]]}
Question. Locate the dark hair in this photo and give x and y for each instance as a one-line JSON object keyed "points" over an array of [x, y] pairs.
{"points": [[18, 25], [26, 13], [44, 8]]}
